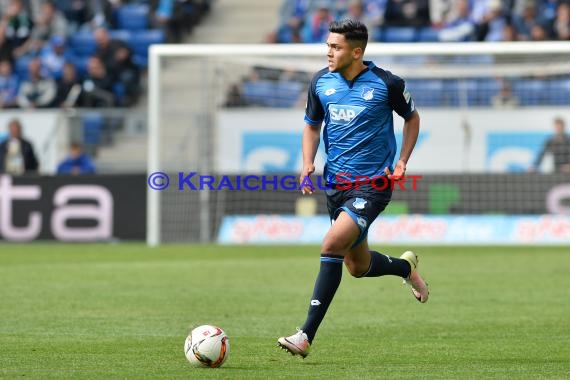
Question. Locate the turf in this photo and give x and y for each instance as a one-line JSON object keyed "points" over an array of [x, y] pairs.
{"points": [[123, 311]]}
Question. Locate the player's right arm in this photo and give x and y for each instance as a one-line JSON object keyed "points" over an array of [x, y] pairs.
{"points": [[314, 116], [311, 139]]}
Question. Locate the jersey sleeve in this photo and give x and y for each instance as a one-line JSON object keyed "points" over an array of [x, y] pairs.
{"points": [[314, 112], [399, 97]]}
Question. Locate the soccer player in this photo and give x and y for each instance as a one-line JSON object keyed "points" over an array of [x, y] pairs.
{"points": [[355, 99]]}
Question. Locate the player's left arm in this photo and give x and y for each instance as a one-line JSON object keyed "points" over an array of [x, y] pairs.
{"points": [[410, 136], [401, 101]]}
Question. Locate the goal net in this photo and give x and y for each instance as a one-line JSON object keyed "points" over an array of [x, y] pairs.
{"points": [[225, 124]]}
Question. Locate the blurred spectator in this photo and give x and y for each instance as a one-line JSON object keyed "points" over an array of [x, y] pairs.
{"points": [[505, 97], [234, 97], [407, 13], [97, 86], [491, 18], [127, 74], [538, 33], [68, 87], [561, 25], [18, 25], [77, 163], [17, 154], [548, 9], [50, 22], [107, 47], [316, 28], [54, 55], [86, 14], [509, 33], [369, 12], [525, 21], [171, 18], [103, 11], [441, 12], [461, 28], [9, 85], [292, 17], [355, 11], [118, 60], [6, 48], [559, 146], [36, 91]]}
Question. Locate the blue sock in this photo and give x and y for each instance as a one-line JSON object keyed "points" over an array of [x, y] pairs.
{"points": [[381, 265], [326, 285]]}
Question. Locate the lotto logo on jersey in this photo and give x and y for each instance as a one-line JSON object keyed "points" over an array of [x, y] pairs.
{"points": [[344, 114]]}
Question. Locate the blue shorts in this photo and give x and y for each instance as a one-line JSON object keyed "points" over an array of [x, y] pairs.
{"points": [[363, 205]]}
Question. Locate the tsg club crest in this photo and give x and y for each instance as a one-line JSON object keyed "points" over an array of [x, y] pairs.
{"points": [[367, 93], [359, 203]]}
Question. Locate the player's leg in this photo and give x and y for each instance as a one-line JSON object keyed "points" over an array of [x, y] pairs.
{"points": [[362, 262], [342, 234], [420, 289], [338, 240]]}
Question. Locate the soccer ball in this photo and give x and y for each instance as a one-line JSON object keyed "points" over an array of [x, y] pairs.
{"points": [[207, 346]]}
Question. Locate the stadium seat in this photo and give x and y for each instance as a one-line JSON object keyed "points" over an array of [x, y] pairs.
{"points": [[140, 60], [531, 92], [119, 91], [83, 44], [141, 40], [450, 93], [259, 92], [92, 128], [480, 92], [133, 17], [272, 94], [399, 34], [428, 35], [377, 34], [21, 67], [427, 92], [122, 35], [80, 64], [287, 94], [559, 91]]}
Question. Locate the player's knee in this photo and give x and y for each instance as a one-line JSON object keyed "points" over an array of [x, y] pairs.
{"points": [[353, 267], [334, 247]]}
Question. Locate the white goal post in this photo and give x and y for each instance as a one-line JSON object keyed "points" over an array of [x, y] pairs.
{"points": [[518, 58]]}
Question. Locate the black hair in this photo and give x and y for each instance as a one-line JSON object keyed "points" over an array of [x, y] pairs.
{"points": [[354, 31]]}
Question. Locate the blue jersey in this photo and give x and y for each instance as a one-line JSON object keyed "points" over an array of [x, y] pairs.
{"points": [[359, 128]]}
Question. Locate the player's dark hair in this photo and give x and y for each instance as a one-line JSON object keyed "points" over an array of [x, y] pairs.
{"points": [[354, 31]]}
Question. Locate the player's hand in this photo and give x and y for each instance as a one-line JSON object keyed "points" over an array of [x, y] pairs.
{"points": [[399, 171], [305, 178]]}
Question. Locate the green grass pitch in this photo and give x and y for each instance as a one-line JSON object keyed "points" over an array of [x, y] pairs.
{"points": [[123, 311]]}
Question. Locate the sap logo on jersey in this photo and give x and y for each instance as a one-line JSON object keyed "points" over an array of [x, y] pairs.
{"points": [[343, 113]]}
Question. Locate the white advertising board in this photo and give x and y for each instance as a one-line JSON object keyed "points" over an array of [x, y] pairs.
{"points": [[450, 141]]}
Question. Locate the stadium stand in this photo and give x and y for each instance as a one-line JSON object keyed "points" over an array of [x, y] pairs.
{"points": [[457, 21], [66, 33], [137, 23]]}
